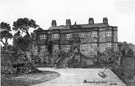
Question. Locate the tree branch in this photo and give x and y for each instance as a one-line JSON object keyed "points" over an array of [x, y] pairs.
{"points": [[6, 41], [2, 42], [27, 33]]}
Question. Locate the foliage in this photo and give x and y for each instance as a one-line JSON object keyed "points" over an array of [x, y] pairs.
{"points": [[36, 59], [16, 54], [130, 52], [50, 47], [125, 49], [22, 43], [5, 33], [109, 57], [23, 24]]}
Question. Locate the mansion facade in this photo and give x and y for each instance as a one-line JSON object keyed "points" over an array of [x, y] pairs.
{"points": [[87, 39]]}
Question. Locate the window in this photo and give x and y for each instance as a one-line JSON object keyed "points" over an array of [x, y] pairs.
{"points": [[94, 36], [55, 47], [82, 35], [56, 36], [109, 45], [68, 47], [69, 36], [109, 34], [42, 37]]}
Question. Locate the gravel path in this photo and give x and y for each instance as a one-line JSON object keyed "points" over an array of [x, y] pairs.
{"points": [[82, 77]]}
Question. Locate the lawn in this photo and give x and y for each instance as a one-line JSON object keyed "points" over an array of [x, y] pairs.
{"points": [[28, 79]]}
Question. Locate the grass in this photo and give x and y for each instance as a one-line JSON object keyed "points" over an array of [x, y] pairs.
{"points": [[28, 79]]}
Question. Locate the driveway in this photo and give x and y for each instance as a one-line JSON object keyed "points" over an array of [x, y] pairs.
{"points": [[82, 77]]}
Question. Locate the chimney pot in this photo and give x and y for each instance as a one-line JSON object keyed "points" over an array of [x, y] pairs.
{"points": [[105, 20], [68, 22], [54, 23], [91, 21]]}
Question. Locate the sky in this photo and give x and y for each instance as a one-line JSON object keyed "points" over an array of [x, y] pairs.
{"points": [[120, 13]]}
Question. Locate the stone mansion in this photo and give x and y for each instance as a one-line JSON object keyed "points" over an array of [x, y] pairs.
{"points": [[87, 39]]}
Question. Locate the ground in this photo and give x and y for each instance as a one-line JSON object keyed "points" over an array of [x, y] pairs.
{"points": [[82, 77], [28, 79]]}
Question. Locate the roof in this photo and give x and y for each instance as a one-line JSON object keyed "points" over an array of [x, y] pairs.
{"points": [[98, 25], [59, 27]]}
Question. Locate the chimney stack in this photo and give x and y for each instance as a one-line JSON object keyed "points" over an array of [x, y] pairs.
{"points": [[68, 22], [105, 20], [54, 23], [91, 21]]}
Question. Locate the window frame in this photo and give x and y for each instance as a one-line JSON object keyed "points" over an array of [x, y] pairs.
{"points": [[109, 45], [82, 35], [69, 36], [94, 36], [56, 36], [109, 34], [43, 37]]}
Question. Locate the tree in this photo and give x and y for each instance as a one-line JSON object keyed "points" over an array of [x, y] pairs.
{"points": [[50, 47], [24, 24], [124, 48], [5, 33]]}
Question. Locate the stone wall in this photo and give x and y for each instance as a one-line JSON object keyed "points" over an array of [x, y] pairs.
{"points": [[88, 49], [115, 35], [86, 38], [102, 36], [102, 47], [65, 48], [115, 46], [34, 50]]}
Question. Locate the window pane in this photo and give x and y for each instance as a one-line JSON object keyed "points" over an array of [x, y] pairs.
{"points": [[56, 36], [42, 36], [109, 45], [82, 35], [94, 36], [69, 36], [109, 34]]}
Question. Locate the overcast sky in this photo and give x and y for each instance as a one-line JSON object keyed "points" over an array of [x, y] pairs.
{"points": [[120, 13]]}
